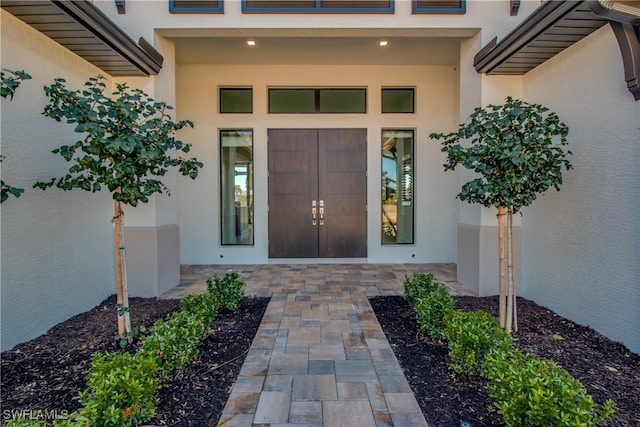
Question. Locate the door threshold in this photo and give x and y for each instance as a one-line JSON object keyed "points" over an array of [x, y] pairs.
{"points": [[318, 261]]}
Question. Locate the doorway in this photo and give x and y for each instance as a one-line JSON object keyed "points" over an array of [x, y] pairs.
{"points": [[317, 193]]}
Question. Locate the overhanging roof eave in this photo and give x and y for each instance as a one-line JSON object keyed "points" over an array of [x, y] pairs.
{"points": [[142, 58], [496, 53]]}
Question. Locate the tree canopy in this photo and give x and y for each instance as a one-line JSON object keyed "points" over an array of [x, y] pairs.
{"points": [[516, 148], [128, 141]]}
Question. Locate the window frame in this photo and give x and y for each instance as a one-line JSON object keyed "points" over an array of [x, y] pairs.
{"points": [[234, 88], [221, 191], [318, 8], [413, 186], [460, 10], [391, 88], [186, 9], [317, 92]]}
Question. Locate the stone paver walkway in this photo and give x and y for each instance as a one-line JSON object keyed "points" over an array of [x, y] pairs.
{"points": [[320, 357]]}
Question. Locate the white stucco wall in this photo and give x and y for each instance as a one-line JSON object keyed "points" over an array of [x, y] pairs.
{"points": [[581, 246], [143, 17], [56, 247], [436, 108], [198, 216]]}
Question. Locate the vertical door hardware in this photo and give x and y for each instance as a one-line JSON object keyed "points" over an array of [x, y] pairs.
{"points": [[313, 212], [321, 212]]}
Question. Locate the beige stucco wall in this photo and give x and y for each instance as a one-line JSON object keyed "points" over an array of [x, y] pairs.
{"points": [[581, 247], [582, 260], [56, 247], [145, 17], [436, 207]]}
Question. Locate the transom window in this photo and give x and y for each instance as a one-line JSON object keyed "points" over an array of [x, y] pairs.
{"points": [[322, 6], [317, 100], [236, 100], [439, 6], [398, 100], [196, 6]]}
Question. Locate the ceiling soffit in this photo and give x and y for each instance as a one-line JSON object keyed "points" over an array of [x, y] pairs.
{"points": [[555, 26], [82, 28]]}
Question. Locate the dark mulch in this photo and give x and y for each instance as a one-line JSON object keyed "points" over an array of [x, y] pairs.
{"points": [[46, 373], [607, 369], [199, 391]]}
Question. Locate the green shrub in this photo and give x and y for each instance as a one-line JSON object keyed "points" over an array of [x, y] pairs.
{"points": [[174, 342], [432, 307], [205, 305], [227, 289], [471, 337], [121, 390], [23, 421], [419, 284], [530, 392], [430, 300]]}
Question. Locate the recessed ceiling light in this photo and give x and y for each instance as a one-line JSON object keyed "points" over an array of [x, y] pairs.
{"points": [[383, 42], [251, 42]]}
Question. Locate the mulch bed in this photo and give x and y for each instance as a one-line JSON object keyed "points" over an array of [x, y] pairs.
{"points": [[608, 370], [46, 373]]}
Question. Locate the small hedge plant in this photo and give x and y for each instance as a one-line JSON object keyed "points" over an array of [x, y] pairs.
{"points": [[417, 285], [431, 301], [121, 388], [472, 336], [174, 343], [530, 392], [227, 289]]}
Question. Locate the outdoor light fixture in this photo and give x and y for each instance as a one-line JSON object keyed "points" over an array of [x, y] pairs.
{"points": [[383, 42], [251, 42]]}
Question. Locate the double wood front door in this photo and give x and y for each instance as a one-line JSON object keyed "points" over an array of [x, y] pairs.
{"points": [[317, 193]]}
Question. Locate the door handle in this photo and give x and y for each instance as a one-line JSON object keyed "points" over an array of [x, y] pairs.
{"points": [[313, 212], [321, 211]]}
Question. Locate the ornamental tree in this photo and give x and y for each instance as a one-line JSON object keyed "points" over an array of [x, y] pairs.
{"points": [[10, 82], [517, 149], [128, 143]]}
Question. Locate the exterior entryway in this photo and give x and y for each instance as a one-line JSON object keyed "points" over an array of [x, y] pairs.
{"points": [[317, 193]]}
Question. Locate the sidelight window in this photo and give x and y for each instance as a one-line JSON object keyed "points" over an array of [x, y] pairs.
{"points": [[397, 186], [236, 186]]}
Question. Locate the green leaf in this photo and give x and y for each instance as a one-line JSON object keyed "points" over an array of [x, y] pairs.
{"points": [[512, 148], [128, 140]]}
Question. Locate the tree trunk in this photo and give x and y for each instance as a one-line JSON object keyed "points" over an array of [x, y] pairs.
{"points": [[502, 266], [512, 316], [509, 322], [122, 295]]}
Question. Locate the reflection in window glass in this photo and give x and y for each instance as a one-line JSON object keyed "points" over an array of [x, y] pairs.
{"points": [[292, 100], [236, 100], [397, 186], [236, 186], [343, 100], [397, 100], [318, 100]]}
